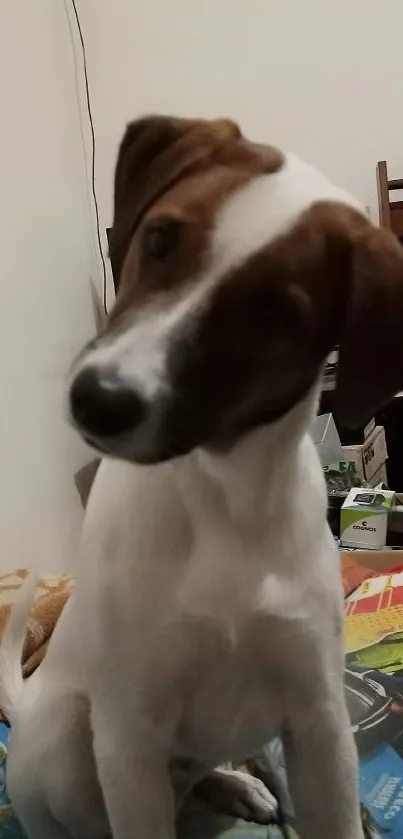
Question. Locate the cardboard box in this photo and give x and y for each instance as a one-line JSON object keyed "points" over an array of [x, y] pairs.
{"points": [[369, 456], [364, 518], [327, 441], [356, 436], [369, 428], [380, 476]]}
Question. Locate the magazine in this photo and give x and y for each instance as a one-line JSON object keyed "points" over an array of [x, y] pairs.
{"points": [[374, 684], [354, 570], [374, 691]]}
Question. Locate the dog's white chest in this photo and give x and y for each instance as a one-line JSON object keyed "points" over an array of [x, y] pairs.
{"points": [[192, 586], [228, 707]]}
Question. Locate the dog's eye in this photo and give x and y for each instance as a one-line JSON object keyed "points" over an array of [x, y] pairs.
{"points": [[161, 239]]}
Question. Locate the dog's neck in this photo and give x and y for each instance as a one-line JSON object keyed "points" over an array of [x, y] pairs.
{"points": [[238, 504], [261, 464]]}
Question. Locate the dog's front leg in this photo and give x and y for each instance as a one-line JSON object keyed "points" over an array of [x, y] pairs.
{"points": [[134, 776], [322, 771]]}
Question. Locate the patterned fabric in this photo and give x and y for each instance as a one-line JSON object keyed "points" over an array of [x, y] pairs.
{"points": [[51, 596]]}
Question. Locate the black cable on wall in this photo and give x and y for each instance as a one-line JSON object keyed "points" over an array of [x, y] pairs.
{"points": [[91, 122]]}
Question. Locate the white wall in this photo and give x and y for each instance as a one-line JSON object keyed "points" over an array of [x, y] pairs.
{"points": [[46, 259], [321, 78]]}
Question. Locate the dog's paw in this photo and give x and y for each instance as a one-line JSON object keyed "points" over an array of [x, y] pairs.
{"points": [[240, 795]]}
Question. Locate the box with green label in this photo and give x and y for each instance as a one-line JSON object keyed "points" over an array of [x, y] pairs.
{"points": [[364, 518]]}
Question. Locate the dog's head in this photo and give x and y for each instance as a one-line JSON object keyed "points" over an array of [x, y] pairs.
{"points": [[238, 269]]}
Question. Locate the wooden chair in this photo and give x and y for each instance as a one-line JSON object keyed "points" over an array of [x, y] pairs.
{"points": [[390, 212]]}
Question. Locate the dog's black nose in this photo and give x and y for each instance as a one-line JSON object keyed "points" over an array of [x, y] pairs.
{"points": [[102, 405]]}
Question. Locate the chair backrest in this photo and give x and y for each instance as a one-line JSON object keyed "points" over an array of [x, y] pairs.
{"points": [[390, 212]]}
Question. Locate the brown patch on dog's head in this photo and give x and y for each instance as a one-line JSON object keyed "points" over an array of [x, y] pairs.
{"points": [[336, 279], [331, 279], [196, 161], [356, 301], [269, 327], [181, 223]]}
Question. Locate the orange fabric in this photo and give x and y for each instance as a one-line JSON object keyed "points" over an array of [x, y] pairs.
{"points": [[51, 597]]}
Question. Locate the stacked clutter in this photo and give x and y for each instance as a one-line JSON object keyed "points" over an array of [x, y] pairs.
{"points": [[353, 468], [369, 454], [364, 447]]}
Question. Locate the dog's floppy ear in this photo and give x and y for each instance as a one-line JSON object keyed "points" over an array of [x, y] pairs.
{"points": [[371, 342], [154, 153]]}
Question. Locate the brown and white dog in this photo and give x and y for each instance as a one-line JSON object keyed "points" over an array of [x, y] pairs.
{"points": [[207, 616]]}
